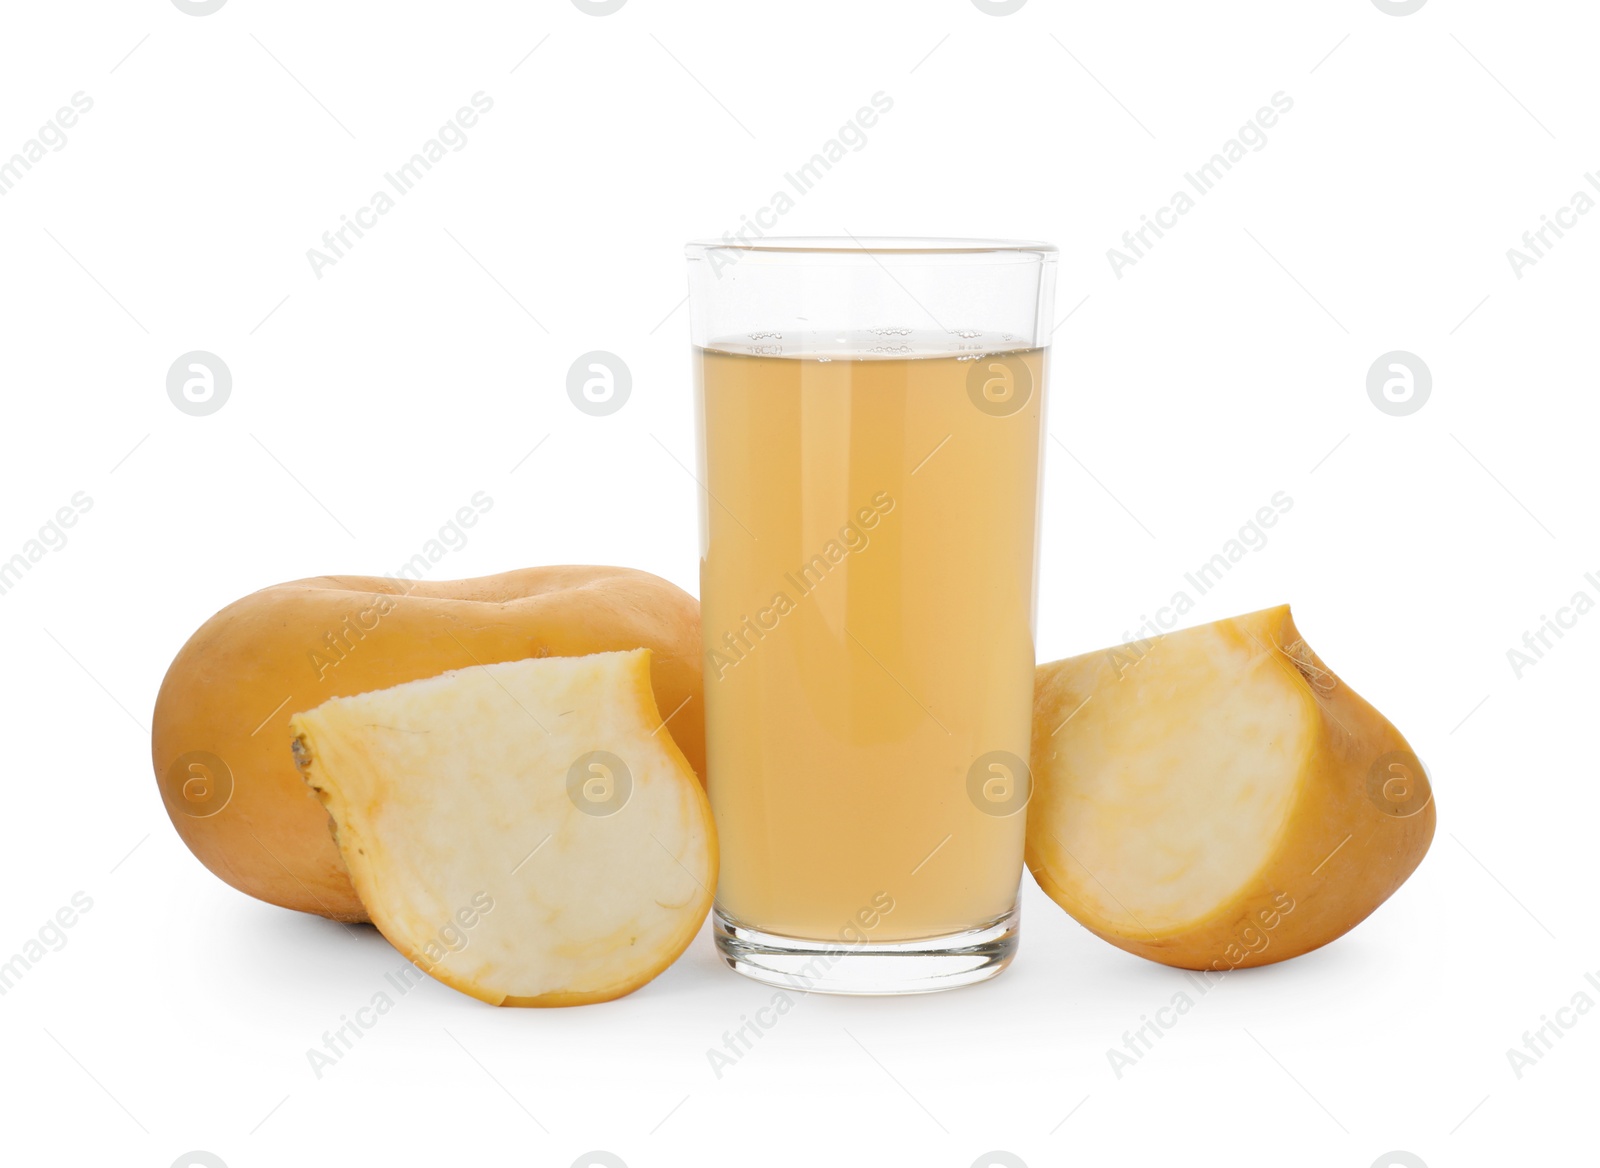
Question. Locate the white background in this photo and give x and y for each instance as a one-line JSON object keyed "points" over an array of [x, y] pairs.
{"points": [[369, 404]]}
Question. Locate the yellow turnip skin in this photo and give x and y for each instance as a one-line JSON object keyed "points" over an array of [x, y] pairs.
{"points": [[220, 739]]}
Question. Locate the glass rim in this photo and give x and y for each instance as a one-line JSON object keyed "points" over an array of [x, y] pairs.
{"points": [[851, 245]]}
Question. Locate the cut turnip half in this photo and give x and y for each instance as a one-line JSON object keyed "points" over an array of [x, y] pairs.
{"points": [[526, 832], [1217, 798]]}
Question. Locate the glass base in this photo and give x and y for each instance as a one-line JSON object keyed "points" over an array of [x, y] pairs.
{"points": [[920, 966]]}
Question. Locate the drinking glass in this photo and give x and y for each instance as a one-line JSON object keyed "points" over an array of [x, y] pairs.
{"points": [[870, 417]]}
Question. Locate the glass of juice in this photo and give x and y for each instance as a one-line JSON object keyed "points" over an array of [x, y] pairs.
{"points": [[870, 415]]}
